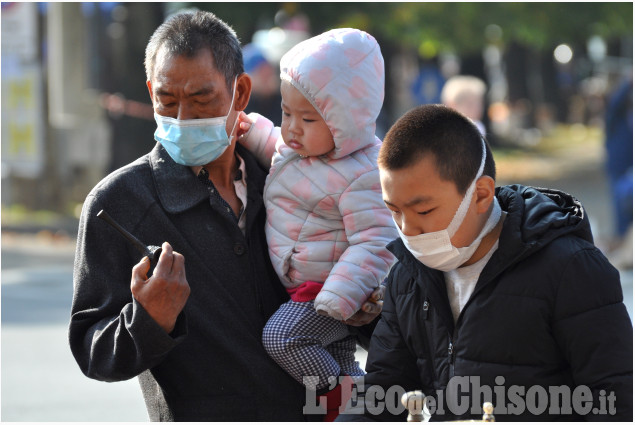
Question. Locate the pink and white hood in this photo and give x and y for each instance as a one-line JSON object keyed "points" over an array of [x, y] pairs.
{"points": [[326, 221]]}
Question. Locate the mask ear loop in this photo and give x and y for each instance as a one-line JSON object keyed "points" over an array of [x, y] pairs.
{"points": [[229, 136], [461, 212]]}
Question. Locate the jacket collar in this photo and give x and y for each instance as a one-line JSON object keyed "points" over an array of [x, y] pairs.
{"points": [[513, 241], [517, 240], [178, 188], [511, 249]]}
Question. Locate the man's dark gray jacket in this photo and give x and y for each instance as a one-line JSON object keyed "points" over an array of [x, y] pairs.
{"points": [[212, 367]]}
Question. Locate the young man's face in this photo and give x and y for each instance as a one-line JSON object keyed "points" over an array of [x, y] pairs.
{"points": [[421, 202]]}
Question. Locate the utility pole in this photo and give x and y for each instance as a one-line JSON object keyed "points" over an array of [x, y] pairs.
{"points": [[79, 134]]}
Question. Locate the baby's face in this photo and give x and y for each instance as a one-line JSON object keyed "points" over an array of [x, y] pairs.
{"points": [[303, 128]]}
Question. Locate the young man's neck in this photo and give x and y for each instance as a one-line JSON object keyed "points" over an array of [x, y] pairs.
{"points": [[487, 243]]}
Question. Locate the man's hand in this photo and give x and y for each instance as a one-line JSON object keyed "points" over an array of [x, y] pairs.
{"points": [[370, 309], [164, 295]]}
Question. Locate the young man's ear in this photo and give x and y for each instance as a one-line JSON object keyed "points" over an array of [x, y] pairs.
{"points": [[485, 190]]}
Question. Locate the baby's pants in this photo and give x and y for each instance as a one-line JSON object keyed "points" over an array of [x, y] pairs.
{"points": [[310, 346]]}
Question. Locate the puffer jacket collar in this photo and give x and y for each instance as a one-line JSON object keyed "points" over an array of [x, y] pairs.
{"points": [[535, 217]]}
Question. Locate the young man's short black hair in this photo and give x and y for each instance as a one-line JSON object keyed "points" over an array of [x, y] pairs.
{"points": [[451, 137]]}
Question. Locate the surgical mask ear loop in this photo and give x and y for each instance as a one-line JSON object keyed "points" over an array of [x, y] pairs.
{"points": [[461, 212], [229, 136]]}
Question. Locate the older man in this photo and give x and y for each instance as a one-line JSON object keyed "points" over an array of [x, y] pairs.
{"points": [[193, 340]]}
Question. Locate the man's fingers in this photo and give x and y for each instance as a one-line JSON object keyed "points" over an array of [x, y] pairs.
{"points": [[178, 263], [140, 272], [360, 319], [164, 265], [378, 293], [373, 308]]}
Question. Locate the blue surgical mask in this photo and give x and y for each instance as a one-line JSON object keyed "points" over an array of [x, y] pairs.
{"points": [[194, 142]]}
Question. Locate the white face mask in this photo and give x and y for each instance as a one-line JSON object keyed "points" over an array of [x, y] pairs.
{"points": [[435, 249]]}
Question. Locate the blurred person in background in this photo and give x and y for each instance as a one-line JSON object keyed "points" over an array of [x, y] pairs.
{"points": [[193, 339], [265, 92], [619, 167], [426, 87], [466, 94]]}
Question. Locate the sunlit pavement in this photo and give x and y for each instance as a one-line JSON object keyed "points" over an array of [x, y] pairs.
{"points": [[40, 379]]}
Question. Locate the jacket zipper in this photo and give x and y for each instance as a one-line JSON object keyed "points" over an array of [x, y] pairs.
{"points": [[273, 176], [451, 358], [426, 310], [452, 352], [452, 337]]}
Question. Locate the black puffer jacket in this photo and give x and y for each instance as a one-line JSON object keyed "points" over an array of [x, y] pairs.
{"points": [[547, 311]]}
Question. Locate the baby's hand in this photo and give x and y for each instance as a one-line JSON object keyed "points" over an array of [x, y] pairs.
{"points": [[370, 309], [244, 124]]}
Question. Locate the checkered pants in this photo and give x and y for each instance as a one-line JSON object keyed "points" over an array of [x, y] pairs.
{"points": [[310, 346]]}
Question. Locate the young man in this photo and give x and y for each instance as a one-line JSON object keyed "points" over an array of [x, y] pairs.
{"points": [[499, 294]]}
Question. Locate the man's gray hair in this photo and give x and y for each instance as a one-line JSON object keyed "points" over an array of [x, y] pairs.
{"points": [[186, 33]]}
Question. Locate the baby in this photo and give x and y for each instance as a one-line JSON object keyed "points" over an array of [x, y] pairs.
{"points": [[327, 226]]}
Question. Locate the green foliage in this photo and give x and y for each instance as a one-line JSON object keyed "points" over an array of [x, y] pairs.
{"points": [[458, 26]]}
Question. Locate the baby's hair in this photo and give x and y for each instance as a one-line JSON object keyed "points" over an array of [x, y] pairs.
{"points": [[450, 137]]}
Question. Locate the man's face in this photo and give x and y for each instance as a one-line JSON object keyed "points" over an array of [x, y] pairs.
{"points": [[190, 88], [421, 202]]}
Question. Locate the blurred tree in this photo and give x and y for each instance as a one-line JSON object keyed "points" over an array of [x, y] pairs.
{"points": [[461, 26], [429, 29], [455, 26]]}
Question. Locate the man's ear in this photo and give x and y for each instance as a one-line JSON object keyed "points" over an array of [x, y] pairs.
{"points": [[243, 91], [485, 191], [149, 85]]}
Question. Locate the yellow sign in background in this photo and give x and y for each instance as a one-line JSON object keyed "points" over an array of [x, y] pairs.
{"points": [[22, 115]]}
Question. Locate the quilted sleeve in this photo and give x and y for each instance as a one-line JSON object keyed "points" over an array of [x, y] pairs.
{"points": [[595, 333], [261, 138]]}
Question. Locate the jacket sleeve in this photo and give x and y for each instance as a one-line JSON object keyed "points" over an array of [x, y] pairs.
{"points": [[390, 366], [261, 139], [111, 336], [366, 261], [595, 333]]}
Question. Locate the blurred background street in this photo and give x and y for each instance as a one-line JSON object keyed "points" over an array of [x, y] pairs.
{"points": [[75, 107]]}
